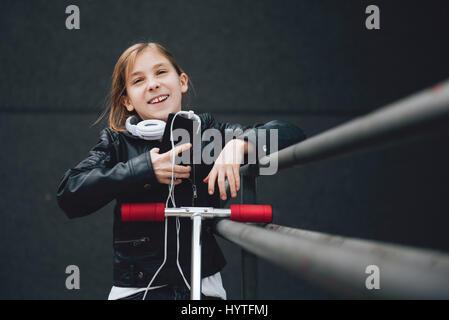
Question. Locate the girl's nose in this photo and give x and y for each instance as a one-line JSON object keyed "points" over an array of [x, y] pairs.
{"points": [[152, 85]]}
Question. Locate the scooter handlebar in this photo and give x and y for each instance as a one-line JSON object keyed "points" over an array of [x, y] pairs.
{"points": [[251, 213], [143, 212], [156, 212]]}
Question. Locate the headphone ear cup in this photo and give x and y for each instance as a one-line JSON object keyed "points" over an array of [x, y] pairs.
{"points": [[130, 126], [150, 129]]}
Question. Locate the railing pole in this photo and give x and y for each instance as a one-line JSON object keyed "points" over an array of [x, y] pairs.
{"points": [[339, 264], [422, 111], [249, 272]]}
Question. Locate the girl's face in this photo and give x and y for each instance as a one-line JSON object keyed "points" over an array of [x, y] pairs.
{"points": [[154, 89]]}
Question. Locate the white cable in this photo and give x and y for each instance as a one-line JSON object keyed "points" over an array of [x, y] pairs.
{"points": [[178, 228], [190, 114], [166, 221], [163, 263], [171, 189], [171, 192]]}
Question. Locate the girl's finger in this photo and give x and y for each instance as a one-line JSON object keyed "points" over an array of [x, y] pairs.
{"points": [[181, 169], [221, 184], [236, 170], [179, 149], [167, 174], [212, 176], [231, 181], [176, 169]]}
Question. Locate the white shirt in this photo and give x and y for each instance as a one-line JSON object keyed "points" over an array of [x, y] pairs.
{"points": [[211, 286]]}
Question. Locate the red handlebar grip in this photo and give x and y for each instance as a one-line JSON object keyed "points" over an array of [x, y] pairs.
{"points": [[143, 212], [251, 213]]}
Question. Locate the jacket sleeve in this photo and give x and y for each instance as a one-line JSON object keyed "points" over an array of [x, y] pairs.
{"points": [[287, 133], [99, 178]]}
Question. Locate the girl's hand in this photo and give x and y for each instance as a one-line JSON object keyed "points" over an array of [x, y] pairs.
{"points": [[227, 166], [162, 164]]}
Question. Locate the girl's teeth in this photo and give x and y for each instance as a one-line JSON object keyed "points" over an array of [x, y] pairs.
{"points": [[159, 99]]}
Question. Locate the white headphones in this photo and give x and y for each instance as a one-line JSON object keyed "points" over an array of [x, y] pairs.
{"points": [[146, 129], [154, 129]]}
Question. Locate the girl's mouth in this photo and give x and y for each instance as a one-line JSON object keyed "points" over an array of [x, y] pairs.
{"points": [[158, 99]]}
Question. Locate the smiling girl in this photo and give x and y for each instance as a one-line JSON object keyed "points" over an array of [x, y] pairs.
{"points": [[148, 84]]}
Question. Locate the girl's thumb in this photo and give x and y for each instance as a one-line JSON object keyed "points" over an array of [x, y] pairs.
{"points": [[155, 150]]}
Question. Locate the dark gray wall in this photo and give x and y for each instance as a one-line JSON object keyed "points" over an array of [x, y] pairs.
{"points": [[310, 62]]}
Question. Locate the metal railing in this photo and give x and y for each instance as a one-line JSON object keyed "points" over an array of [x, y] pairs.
{"points": [[339, 263]]}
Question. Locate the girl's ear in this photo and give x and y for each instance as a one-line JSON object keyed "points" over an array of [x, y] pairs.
{"points": [[127, 103], [184, 79]]}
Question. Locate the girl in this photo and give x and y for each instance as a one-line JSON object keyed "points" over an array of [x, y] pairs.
{"points": [[147, 83]]}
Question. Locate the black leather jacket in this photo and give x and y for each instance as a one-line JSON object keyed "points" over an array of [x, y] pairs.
{"points": [[119, 167]]}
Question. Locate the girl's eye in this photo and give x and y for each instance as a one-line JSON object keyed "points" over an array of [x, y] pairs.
{"points": [[161, 71], [136, 81]]}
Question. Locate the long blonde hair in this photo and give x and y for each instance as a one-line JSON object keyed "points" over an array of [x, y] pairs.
{"points": [[115, 107]]}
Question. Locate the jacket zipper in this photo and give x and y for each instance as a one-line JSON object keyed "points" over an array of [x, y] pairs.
{"points": [[195, 192], [194, 189], [135, 242]]}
